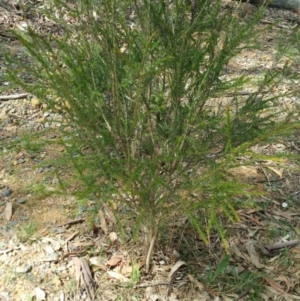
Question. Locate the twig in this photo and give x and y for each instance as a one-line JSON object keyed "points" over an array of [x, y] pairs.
{"points": [[242, 93], [279, 246], [266, 175], [150, 251], [72, 254], [74, 221], [13, 96], [152, 284]]}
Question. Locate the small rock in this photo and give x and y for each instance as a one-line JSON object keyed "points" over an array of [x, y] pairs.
{"points": [[56, 123], [21, 201], [51, 257], [12, 223], [53, 136], [49, 249], [6, 192], [40, 295], [23, 269], [36, 103], [4, 295], [20, 161], [48, 168], [81, 209], [61, 269], [60, 230]]}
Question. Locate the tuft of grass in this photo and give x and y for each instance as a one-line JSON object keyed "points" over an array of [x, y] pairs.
{"points": [[29, 231], [135, 274]]}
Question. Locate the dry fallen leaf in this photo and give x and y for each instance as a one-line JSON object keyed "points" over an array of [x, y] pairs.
{"points": [[253, 255], [198, 284], [275, 285], [235, 249], [87, 278], [54, 243], [77, 268], [278, 172], [286, 215], [102, 222], [175, 267], [84, 276], [117, 276], [124, 270], [115, 260], [287, 281], [110, 214], [226, 298], [8, 211]]}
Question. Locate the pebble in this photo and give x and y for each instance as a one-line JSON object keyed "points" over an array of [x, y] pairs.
{"points": [[40, 170], [48, 168], [4, 295], [81, 209], [6, 192], [21, 201], [60, 230], [23, 269], [49, 249], [51, 257], [36, 103], [12, 223]]}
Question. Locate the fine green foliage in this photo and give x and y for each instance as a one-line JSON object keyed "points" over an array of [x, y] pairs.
{"points": [[28, 231], [136, 82]]}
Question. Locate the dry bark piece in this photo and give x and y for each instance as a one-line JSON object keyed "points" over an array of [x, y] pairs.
{"points": [[84, 276], [8, 211]]}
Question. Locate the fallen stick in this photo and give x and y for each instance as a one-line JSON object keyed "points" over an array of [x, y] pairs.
{"points": [[240, 93], [279, 246], [13, 96], [152, 284], [72, 222]]}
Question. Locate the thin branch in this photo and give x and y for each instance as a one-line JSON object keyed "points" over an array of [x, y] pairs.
{"points": [[278, 246], [13, 96], [150, 251]]}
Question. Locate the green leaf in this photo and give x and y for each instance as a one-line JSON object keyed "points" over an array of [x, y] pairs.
{"points": [[222, 266]]}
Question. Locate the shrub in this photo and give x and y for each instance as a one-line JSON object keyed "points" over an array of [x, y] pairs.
{"points": [[136, 81]]}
